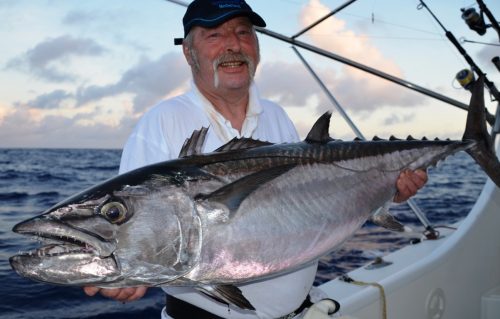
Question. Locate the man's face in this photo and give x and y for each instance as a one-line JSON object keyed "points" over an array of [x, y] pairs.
{"points": [[224, 57]]}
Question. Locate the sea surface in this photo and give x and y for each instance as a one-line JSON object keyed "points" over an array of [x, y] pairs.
{"points": [[32, 180]]}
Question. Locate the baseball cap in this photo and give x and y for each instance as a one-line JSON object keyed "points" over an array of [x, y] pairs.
{"points": [[211, 13]]}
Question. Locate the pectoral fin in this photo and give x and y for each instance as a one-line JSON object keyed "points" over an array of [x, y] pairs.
{"points": [[233, 194], [227, 294], [384, 219]]}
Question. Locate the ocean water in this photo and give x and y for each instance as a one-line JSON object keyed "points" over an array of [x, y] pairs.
{"points": [[32, 180]]}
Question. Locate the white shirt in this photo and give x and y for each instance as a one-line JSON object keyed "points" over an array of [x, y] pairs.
{"points": [[159, 136]]}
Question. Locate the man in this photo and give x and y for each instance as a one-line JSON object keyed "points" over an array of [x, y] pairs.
{"points": [[222, 49]]}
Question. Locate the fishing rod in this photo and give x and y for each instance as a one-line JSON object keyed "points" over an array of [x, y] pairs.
{"points": [[491, 87], [494, 22]]}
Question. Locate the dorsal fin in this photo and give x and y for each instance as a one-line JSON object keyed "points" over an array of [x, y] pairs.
{"points": [[241, 143], [319, 131], [194, 144]]}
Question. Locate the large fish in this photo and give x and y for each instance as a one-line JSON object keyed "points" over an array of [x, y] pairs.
{"points": [[249, 210]]}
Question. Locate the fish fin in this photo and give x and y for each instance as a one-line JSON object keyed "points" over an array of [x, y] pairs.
{"points": [[475, 130], [319, 131], [384, 219], [194, 144], [233, 194], [227, 294], [241, 143]]}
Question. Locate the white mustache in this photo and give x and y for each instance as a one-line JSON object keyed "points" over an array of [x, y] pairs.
{"points": [[232, 57]]}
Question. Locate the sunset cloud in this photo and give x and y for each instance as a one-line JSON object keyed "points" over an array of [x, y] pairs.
{"points": [[358, 89]]}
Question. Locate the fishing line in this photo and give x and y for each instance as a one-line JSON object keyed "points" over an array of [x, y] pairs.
{"points": [[383, 299]]}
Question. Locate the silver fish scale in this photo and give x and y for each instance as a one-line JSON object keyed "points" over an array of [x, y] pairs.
{"points": [[293, 213], [262, 237]]}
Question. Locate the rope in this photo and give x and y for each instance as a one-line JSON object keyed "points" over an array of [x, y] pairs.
{"points": [[383, 299]]}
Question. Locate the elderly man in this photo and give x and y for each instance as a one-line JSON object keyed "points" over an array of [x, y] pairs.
{"points": [[222, 49]]}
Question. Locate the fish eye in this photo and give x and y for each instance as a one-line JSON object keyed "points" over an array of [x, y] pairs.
{"points": [[115, 212]]}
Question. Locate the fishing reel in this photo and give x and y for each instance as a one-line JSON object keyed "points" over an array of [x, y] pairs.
{"points": [[474, 20], [465, 78]]}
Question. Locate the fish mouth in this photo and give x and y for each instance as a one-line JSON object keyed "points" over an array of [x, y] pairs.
{"points": [[67, 256], [59, 238], [58, 249]]}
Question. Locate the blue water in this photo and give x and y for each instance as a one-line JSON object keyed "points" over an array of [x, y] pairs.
{"points": [[31, 180]]}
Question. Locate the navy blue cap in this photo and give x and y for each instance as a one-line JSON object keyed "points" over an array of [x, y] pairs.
{"points": [[211, 13]]}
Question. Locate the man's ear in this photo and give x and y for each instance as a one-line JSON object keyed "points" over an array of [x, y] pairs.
{"points": [[187, 54]]}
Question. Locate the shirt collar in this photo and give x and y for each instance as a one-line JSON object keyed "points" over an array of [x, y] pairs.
{"points": [[220, 125]]}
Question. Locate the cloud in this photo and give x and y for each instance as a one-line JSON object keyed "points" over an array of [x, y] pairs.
{"points": [[397, 119], [80, 17], [103, 122], [286, 83], [354, 88], [45, 59], [21, 128], [50, 100], [149, 81]]}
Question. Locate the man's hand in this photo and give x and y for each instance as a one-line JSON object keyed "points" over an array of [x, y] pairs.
{"points": [[408, 184], [119, 294]]}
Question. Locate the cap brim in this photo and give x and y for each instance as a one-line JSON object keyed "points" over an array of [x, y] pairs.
{"points": [[210, 23]]}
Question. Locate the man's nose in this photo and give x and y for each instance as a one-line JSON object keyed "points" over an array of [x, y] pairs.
{"points": [[232, 42]]}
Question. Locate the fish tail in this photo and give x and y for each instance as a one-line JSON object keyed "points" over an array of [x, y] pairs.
{"points": [[475, 130]]}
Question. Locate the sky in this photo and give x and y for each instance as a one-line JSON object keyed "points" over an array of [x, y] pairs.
{"points": [[79, 74]]}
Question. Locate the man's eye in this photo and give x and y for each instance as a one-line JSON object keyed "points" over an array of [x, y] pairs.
{"points": [[244, 32]]}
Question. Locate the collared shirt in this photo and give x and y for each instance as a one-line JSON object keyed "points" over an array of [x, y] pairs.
{"points": [[159, 136], [222, 126], [161, 132]]}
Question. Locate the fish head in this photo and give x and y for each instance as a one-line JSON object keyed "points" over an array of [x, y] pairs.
{"points": [[112, 237]]}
